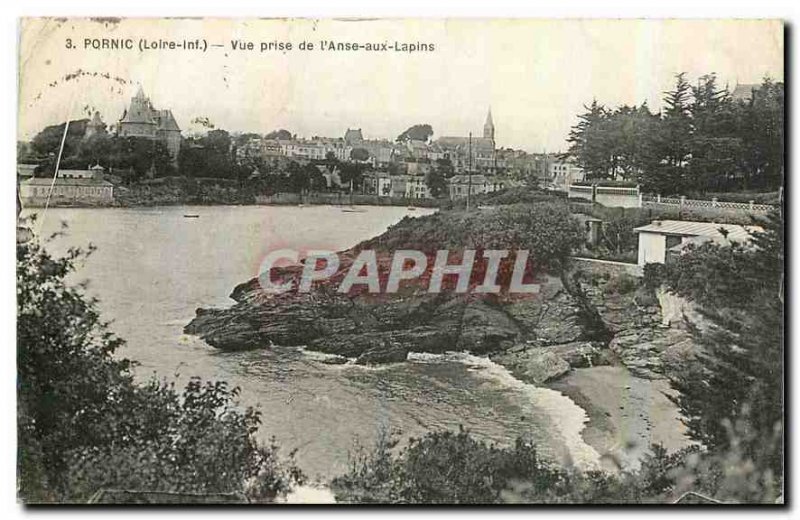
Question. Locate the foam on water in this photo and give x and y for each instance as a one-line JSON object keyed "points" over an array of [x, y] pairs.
{"points": [[568, 417]]}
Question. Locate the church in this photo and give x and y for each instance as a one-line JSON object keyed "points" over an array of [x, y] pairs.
{"points": [[140, 119], [457, 149]]}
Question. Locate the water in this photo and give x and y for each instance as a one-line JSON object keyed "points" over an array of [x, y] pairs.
{"points": [[153, 268]]}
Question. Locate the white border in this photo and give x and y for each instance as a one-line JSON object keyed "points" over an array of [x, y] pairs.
{"points": [[11, 11]]}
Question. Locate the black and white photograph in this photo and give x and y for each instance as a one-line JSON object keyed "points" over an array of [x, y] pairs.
{"points": [[394, 261]]}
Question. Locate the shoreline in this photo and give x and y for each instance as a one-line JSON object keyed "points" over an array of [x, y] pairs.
{"points": [[398, 203], [627, 414]]}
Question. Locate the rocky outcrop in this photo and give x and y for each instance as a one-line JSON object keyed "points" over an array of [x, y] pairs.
{"points": [[385, 329], [648, 338], [536, 364]]}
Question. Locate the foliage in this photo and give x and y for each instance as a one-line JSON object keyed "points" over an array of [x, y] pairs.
{"points": [[703, 140], [210, 155], [439, 468], [359, 154], [48, 141], [279, 135], [436, 182], [421, 132], [738, 376], [456, 468], [84, 424]]}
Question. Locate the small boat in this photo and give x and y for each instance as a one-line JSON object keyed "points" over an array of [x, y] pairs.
{"points": [[353, 210], [191, 216], [411, 208]]}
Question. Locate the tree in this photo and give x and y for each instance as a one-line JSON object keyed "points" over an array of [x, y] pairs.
{"points": [[279, 135], [589, 142], [445, 167], [761, 128], [422, 132], [359, 154], [84, 424], [48, 141], [437, 184], [738, 376]]}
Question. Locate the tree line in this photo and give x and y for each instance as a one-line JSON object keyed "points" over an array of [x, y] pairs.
{"points": [[703, 140]]}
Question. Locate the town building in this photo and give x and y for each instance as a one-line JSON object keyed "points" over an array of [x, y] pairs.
{"points": [[662, 240], [461, 185], [353, 137], [377, 183], [477, 153], [140, 119], [744, 91], [70, 187], [417, 188], [563, 172]]}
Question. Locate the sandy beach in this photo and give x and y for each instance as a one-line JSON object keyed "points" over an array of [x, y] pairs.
{"points": [[626, 414]]}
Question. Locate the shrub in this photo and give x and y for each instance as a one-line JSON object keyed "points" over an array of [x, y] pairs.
{"points": [[83, 424]]}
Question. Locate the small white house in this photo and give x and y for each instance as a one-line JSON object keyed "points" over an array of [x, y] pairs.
{"points": [[662, 238]]}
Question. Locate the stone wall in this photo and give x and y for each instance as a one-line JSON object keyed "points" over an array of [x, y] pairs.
{"points": [[599, 267]]}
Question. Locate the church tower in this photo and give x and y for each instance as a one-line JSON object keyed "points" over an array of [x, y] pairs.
{"points": [[488, 126]]}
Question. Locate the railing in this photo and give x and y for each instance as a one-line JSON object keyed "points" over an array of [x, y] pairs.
{"points": [[655, 200], [612, 196]]}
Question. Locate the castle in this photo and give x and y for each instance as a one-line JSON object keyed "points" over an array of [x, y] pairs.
{"points": [[142, 120]]}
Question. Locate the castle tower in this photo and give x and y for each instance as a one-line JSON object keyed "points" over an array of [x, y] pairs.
{"points": [[95, 126], [488, 126]]}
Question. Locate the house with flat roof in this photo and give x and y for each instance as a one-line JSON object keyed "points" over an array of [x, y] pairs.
{"points": [[662, 239]]}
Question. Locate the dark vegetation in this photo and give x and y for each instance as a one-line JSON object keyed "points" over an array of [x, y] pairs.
{"points": [[85, 425], [703, 140]]}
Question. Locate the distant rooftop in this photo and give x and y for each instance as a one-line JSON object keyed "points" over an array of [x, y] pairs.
{"points": [[744, 91], [60, 181]]}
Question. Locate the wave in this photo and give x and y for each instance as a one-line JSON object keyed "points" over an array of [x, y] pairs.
{"points": [[569, 418]]}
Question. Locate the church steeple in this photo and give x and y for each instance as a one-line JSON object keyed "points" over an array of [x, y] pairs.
{"points": [[488, 127]]}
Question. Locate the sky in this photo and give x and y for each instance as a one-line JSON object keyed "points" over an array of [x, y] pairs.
{"points": [[536, 75]]}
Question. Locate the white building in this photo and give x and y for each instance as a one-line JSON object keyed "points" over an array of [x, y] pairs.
{"points": [[662, 239], [71, 187], [417, 188]]}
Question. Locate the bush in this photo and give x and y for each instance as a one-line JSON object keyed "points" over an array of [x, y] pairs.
{"points": [[83, 424], [455, 468], [621, 284]]}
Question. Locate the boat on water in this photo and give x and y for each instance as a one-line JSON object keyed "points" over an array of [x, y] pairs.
{"points": [[191, 216], [411, 208], [353, 210]]}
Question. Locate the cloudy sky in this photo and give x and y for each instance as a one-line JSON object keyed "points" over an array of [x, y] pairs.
{"points": [[535, 74]]}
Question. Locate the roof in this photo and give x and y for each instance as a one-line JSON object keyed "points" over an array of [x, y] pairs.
{"points": [[46, 181], [166, 121], [744, 91], [465, 179], [457, 141], [699, 229], [353, 135]]}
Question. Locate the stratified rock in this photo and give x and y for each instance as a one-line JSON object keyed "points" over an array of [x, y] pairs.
{"points": [[485, 328], [534, 365], [579, 354]]}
